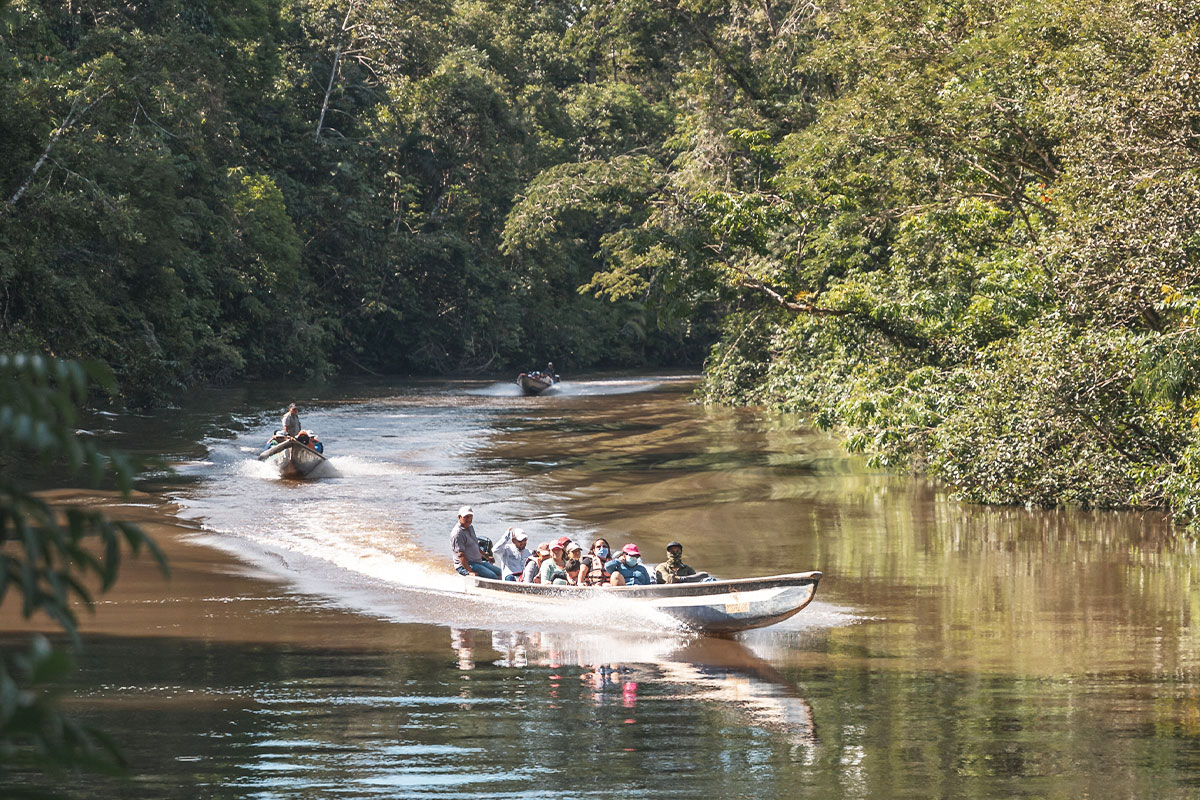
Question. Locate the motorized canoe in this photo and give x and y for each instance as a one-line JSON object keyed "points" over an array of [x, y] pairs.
{"points": [[534, 382], [292, 459], [722, 606]]}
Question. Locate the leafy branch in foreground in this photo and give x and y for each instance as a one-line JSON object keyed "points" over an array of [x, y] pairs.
{"points": [[50, 557]]}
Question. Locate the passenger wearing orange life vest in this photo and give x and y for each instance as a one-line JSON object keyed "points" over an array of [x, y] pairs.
{"points": [[591, 569]]}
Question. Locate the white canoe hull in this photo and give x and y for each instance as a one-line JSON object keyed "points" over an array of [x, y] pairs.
{"points": [[533, 385], [711, 607], [292, 459]]}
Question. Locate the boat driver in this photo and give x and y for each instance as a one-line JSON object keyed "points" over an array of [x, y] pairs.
{"points": [[291, 421], [468, 558]]}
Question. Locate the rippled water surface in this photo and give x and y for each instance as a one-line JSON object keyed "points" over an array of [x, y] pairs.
{"points": [[952, 651]]}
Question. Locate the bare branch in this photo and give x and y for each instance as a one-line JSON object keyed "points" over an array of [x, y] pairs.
{"points": [[337, 57], [74, 114]]}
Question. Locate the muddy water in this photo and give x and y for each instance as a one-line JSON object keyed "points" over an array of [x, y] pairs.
{"points": [[952, 651]]}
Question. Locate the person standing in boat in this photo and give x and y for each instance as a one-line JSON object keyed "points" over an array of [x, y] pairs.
{"points": [[291, 421], [512, 554], [673, 570], [468, 558]]}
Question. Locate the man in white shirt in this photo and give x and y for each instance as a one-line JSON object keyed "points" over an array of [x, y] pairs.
{"points": [[512, 553]]}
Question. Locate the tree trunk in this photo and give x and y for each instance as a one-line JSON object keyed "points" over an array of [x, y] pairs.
{"points": [[337, 57]]}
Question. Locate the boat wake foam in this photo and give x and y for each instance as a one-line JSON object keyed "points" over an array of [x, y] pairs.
{"points": [[389, 586]]}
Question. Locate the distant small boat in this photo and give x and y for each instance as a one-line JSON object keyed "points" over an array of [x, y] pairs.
{"points": [[723, 606], [535, 382], [292, 459]]}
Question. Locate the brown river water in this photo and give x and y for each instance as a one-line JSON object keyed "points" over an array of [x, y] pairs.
{"points": [[308, 646]]}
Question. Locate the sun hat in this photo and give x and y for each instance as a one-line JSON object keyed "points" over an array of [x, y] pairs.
{"points": [[465, 511], [632, 550], [544, 548]]}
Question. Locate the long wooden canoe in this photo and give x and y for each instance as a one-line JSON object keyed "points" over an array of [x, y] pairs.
{"points": [[292, 459], [723, 606]]}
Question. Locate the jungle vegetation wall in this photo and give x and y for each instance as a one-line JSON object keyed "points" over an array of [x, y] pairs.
{"points": [[198, 190], [962, 233]]}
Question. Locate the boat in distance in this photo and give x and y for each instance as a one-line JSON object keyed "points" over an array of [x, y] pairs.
{"points": [[292, 458], [535, 382], [721, 606]]}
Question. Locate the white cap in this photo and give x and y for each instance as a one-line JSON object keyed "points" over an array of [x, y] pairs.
{"points": [[466, 511], [518, 534]]}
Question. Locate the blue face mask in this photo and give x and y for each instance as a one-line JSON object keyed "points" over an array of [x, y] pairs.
{"points": [[602, 552], [631, 561]]}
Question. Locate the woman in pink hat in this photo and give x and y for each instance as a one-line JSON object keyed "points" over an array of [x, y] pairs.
{"points": [[626, 568], [554, 568]]}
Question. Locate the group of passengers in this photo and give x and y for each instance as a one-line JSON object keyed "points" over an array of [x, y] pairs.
{"points": [[561, 562]]}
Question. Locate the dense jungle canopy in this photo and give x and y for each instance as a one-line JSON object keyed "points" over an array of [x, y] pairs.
{"points": [[963, 233]]}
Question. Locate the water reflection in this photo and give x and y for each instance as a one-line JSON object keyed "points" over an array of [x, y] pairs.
{"points": [[723, 673]]}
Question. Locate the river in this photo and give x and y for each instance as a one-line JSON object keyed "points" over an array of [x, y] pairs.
{"points": [[952, 651]]}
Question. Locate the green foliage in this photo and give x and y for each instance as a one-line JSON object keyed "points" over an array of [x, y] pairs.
{"points": [[215, 190], [962, 234], [910, 220], [49, 556]]}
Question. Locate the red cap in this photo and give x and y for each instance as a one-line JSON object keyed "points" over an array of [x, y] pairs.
{"points": [[562, 541], [632, 550]]}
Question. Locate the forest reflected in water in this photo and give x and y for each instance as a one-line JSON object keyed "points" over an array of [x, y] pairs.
{"points": [[952, 651]]}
